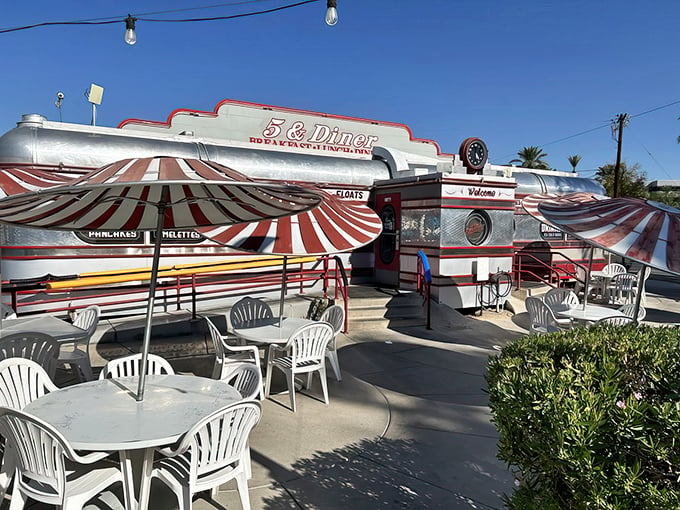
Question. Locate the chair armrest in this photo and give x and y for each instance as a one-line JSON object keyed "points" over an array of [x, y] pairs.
{"points": [[90, 458], [241, 348]]}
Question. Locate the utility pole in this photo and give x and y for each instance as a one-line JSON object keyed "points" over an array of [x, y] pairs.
{"points": [[621, 121]]}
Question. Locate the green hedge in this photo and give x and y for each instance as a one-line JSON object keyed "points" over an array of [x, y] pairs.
{"points": [[590, 418]]}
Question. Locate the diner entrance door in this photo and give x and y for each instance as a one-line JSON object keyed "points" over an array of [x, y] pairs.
{"points": [[388, 207]]}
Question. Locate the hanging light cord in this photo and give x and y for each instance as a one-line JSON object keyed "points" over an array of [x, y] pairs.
{"points": [[105, 21]]}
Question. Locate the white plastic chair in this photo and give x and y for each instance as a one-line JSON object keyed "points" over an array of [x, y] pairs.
{"points": [[335, 316], [623, 288], [629, 310], [229, 357], [247, 310], [21, 382], [304, 353], [541, 318], [128, 366], [7, 312], [39, 347], [210, 454], [247, 380], [560, 296], [564, 297], [615, 321], [41, 452], [86, 319]]}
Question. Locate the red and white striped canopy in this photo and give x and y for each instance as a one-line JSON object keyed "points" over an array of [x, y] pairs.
{"points": [[641, 230], [126, 195], [335, 226], [14, 181]]}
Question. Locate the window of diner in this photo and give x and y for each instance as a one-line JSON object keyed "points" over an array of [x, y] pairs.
{"points": [[477, 227]]}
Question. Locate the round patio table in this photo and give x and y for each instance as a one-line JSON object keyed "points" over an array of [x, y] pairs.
{"points": [[103, 415], [271, 331], [591, 313], [58, 329]]}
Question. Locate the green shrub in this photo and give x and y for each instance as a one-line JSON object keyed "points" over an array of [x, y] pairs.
{"points": [[590, 418]]}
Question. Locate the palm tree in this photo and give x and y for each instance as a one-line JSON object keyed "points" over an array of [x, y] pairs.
{"points": [[573, 161], [532, 157]]}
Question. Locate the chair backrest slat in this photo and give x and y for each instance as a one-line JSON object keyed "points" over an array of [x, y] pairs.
{"points": [[246, 379], [40, 450], [22, 381], [39, 347], [129, 366], [613, 268], [560, 295], [219, 439], [247, 310], [308, 344], [87, 319], [335, 316]]}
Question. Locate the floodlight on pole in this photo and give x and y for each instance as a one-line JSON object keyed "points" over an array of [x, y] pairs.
{"points": [[331, 12], [94, 96], [130, 34]]}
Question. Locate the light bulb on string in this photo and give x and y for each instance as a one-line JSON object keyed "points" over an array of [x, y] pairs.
{"points": [[331, 12], [130, 34]]}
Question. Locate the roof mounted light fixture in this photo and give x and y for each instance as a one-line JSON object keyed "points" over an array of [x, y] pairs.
{"points": [[130, 35], [331, 12]]}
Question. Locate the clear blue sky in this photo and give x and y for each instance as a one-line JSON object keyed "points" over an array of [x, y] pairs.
{"points": [[513, 73]]}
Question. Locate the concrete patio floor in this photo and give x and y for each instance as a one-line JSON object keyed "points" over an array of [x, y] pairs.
{"points": [[408, 427]]}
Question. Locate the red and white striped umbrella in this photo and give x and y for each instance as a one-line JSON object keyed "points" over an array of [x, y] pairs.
{"points": [[641, 230], [335, 226], [127, 195], [155, 194]]}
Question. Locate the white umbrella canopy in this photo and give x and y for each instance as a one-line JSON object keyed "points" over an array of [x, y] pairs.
{"points": [[155, 194], [335, 226]]}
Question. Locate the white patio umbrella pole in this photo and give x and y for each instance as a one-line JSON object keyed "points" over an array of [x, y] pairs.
{"points": [[283, 286], [152, 294], [586, 286], [640, 290]]}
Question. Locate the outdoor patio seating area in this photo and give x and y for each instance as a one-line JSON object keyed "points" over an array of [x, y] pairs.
{"points": [[104, 417]]}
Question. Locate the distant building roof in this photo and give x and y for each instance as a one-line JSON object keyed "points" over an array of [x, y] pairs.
{"points": [[656, 185]]}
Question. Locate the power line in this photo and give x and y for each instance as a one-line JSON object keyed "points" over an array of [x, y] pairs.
{"points": [[667, 105], [656, 109]]}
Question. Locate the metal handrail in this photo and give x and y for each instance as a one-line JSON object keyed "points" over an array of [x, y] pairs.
{"points": [[553, 271], [184, 288]]}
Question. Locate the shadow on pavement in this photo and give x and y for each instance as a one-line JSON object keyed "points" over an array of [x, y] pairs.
{"points": [[369, 474]]}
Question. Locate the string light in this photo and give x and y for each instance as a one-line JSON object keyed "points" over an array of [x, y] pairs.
{"points": [[331, 12], [130, 35], [130, 28]]}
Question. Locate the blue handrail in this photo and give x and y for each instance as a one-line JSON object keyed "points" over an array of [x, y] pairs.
{"points": [[424, 265]]}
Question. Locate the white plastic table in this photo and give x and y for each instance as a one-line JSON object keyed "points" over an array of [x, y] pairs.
{"points": [[59, 329], [271, 331], [591, 313], [104, 416]]}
